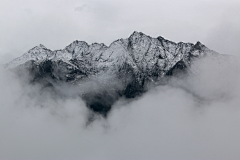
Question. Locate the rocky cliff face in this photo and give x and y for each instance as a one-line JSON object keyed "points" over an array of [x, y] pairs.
{"points": [[123, 69]]}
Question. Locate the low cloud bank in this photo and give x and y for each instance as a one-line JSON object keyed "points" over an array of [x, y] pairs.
{"points": [[196, 117]]}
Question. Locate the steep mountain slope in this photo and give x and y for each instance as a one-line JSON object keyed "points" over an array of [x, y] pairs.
{"points": [[123, 69]]}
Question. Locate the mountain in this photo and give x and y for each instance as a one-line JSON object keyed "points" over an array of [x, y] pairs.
{"points": [[102, 74]]}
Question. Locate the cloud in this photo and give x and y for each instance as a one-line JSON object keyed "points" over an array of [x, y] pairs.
{"points": [[83, 7], [195, 117]]}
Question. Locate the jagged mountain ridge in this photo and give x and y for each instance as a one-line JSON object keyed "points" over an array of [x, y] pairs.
{"points": [[134, 62], [138, 50]]}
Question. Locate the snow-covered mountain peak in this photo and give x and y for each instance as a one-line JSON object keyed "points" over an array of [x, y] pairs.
{"points": [[134, 61], [160, 37], [38, 47], [76, 45], [98, 45], [137, 35], [139, 42], [199, 46], [138, 48], [37, 53], [41, 46], [200, 49]]}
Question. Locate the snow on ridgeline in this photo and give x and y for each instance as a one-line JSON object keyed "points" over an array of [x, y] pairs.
{"points": [[139, 50]]}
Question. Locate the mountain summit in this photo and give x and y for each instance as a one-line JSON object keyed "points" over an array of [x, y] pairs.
{"points": [[122, 69]]}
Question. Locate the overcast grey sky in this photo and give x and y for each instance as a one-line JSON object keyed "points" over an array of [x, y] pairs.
{"points": [[56, 23]]}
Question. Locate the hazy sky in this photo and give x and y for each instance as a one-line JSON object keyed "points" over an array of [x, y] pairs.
{"points": [[27, 23]]}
